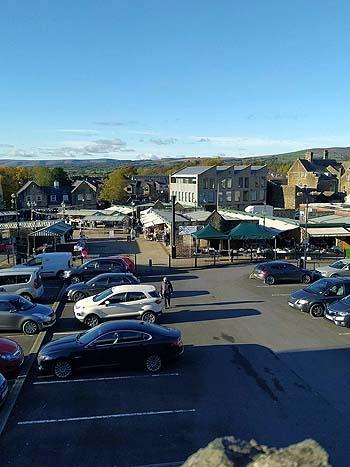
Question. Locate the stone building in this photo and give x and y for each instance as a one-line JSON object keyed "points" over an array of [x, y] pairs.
{"points": [[219, 186]]}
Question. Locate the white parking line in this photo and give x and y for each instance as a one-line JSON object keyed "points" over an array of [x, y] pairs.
{"points": [[66, 333], [110, 378], [105, 417], [343, 333], [275, 286]]}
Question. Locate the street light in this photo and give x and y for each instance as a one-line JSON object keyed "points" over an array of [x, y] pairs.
{"points": [[63, 205], [31, 205], [14, 206], [305, 193]]}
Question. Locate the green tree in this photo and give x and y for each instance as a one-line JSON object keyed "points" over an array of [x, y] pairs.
{"points": [[113, 188], [9, 183], [41, 175], [60, 175]]}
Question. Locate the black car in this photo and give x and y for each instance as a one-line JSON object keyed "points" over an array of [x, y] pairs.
{"points": [[339, 312], [119, 343], [80, 290], [93, 268], [3, 389], [316, 297], [282, 271]]}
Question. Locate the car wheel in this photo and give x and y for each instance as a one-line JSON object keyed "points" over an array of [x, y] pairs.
{"points": [[30, 327], [153, 363], [149, 317], [62, 369], [270, 280], [317, 310], [75, 279], [27, 296], [91, 321], [59, 275], [306, 279], [78, 296]]}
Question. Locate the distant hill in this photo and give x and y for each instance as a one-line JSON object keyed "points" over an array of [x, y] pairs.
{"points": [[105, 165]]}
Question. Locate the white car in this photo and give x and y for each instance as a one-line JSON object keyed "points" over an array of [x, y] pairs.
{"points": [[339, 268], [122, 301]]}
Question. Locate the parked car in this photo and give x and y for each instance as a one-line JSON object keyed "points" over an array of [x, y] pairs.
{"points": [[338, 268], [314, 298], [282, 271], [94, 267], [122, 343], [18, 313], [3, 389], [50, 264], [25, 282], [124, 301], [339, 312], [128, 261], [80, 290], [11, 357]]}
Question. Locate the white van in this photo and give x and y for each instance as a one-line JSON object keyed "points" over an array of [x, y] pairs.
{"points": [[51, 264], [25, 282]]}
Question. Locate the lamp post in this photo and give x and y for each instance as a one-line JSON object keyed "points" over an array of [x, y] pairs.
{"points": [[15, 207], [31, 205], [305, 194], [63, 205]]}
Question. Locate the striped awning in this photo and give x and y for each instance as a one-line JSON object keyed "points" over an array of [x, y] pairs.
{"points": [[56, 230]]}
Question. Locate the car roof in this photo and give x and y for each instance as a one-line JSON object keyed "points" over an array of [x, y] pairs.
{"points": [[133, 288], [22, 269], [54, 253], [336, 279], [113, 274], [132, 325]]}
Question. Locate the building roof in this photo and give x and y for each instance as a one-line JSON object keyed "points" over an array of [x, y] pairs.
{"points": [[209, 233], [77, 185], [26, 185], [193, 170], [251, 231], [319, 165], [55, 230]]}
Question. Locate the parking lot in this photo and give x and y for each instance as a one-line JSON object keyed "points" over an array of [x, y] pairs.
{"points": [[252, 367]]}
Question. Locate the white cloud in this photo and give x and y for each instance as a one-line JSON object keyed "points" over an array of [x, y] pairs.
{"points": [[77, 131]]}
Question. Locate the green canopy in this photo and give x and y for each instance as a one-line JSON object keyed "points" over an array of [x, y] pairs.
{"points": [[209, 233], [250, 231]]}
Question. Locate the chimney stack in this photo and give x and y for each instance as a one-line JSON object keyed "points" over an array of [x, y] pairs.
{"points": [[309, 156], [325, 154], [56, 184]]}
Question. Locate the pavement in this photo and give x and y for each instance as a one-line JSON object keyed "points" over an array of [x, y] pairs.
{"points": [[252, 367]]}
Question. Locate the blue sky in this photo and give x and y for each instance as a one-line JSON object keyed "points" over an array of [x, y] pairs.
{"points": [[138, 79]]}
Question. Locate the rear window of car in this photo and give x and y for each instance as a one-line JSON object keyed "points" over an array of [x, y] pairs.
{"points": [[154, 294], [15, 279]]}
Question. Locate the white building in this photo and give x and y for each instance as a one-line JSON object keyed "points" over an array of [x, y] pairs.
{"points": [[220, 186]]}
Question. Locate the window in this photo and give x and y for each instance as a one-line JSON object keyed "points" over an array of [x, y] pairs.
{"points": [[220, 197], [91, 265], [193, 180], [245, 195], [192, 197], [237, 196], [99, 282], [65, 197], [263, 181], [336, 290], [38, 198], [173, 180], [211, 183], [23, 278], [7, 280], [254, 195], [117, 298], [256, 182], [228, 196], [240, 182], [125, 337], [261, 195], [154, 294], [29, 198], [5, 306], [134, 296], [52, 197], [80, 197], [106, 339], [210, 197], [223, 183], [229, 183], [246, 182], [35, 262], [185, 196], [205, 183]]}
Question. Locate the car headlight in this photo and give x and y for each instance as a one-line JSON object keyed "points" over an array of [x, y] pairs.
{"points": [[302, 302], [45, 357], [8, 356]]}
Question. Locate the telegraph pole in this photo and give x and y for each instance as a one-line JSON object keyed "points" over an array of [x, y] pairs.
{"points": [[173, 227]]}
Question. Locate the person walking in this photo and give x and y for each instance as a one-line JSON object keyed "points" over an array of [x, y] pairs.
{"points": [[166, 291]]}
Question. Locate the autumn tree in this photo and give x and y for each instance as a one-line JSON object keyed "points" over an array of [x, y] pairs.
{"points": [[9, 183], [113, 189], [41, 175]]}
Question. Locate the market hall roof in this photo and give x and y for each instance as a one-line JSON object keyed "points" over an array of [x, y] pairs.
{"points": [[251, 231], [209, 233]]}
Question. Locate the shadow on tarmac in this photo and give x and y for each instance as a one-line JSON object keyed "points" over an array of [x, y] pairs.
{"points": [[188, 316]]}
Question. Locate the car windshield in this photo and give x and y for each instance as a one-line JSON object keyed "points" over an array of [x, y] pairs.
{"points": [[102, 295], [337, 265], [23, 304], [90, 335], [319, 287]]}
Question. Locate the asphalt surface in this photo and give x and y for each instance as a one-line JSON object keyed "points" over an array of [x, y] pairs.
{"points": [[252, 367]]}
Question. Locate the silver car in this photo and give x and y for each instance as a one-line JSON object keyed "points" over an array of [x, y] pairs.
{"points": [[124, 301], [18, 313], [337, 269]]}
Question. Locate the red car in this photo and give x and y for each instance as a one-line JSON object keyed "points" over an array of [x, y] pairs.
{"points": [[11, 357], [129, 263]]}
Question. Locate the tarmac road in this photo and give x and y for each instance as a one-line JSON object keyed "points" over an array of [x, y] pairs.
{"points": [[252, 367]]}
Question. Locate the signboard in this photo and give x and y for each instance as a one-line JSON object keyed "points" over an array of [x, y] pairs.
{"points": [[187, 229]]}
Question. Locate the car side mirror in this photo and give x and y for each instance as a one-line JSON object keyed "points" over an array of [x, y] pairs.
{"points": [[85, 267], [107, 302], [93, 285]]}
